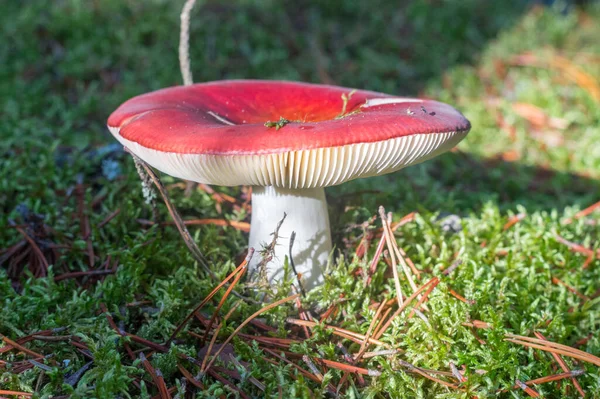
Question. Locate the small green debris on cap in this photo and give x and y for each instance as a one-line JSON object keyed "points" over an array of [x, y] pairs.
{"points": [[278, 124]]}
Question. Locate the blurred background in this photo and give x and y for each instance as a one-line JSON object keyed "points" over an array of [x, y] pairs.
{"points": [[524, 72]]}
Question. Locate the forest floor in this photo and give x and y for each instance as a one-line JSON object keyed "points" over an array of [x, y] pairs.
{"points": [[96, 285]]}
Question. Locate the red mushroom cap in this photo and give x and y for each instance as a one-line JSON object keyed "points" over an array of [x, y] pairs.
{"points": [[227, 119]]}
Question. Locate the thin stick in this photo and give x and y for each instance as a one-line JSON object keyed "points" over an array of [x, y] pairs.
{"points": [[248, 320], [184, 42]]}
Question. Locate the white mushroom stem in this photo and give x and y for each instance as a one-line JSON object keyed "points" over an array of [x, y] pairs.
{"points": [[307, 216]]}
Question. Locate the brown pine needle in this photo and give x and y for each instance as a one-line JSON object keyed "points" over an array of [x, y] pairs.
{"points": [[478, 324], [588, 260], [555, 377], [402, 257], [208, 298], [157, 378], [31, 337], [271, 341], [423, 298], [452, 267], [240, 366], [578, 248], [225, 381], [21, 348], [566, 67], [349, 368], [583, 213], [563, 366], [528, 390], [386, 233], [312, 367], [375, 261], [384, 352], [294, 365], [241, 226], [422, 373], [359, 338], [556, 280], [238, 276], [456, 373], [385, 326], [553, 347], [215, 336], [114, 326], [245, 322], [372, 325], [15, 393], [400, 254], [513, 220], [460, 297], [34, 246], [110, 217], [66, 276], [188, 376], [405, 219], [328, 312]]}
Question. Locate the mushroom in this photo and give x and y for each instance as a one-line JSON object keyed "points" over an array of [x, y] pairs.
{"points": [[288, 141]]}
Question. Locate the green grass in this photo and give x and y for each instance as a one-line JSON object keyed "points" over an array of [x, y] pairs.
{"points": [[66, 66]]}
